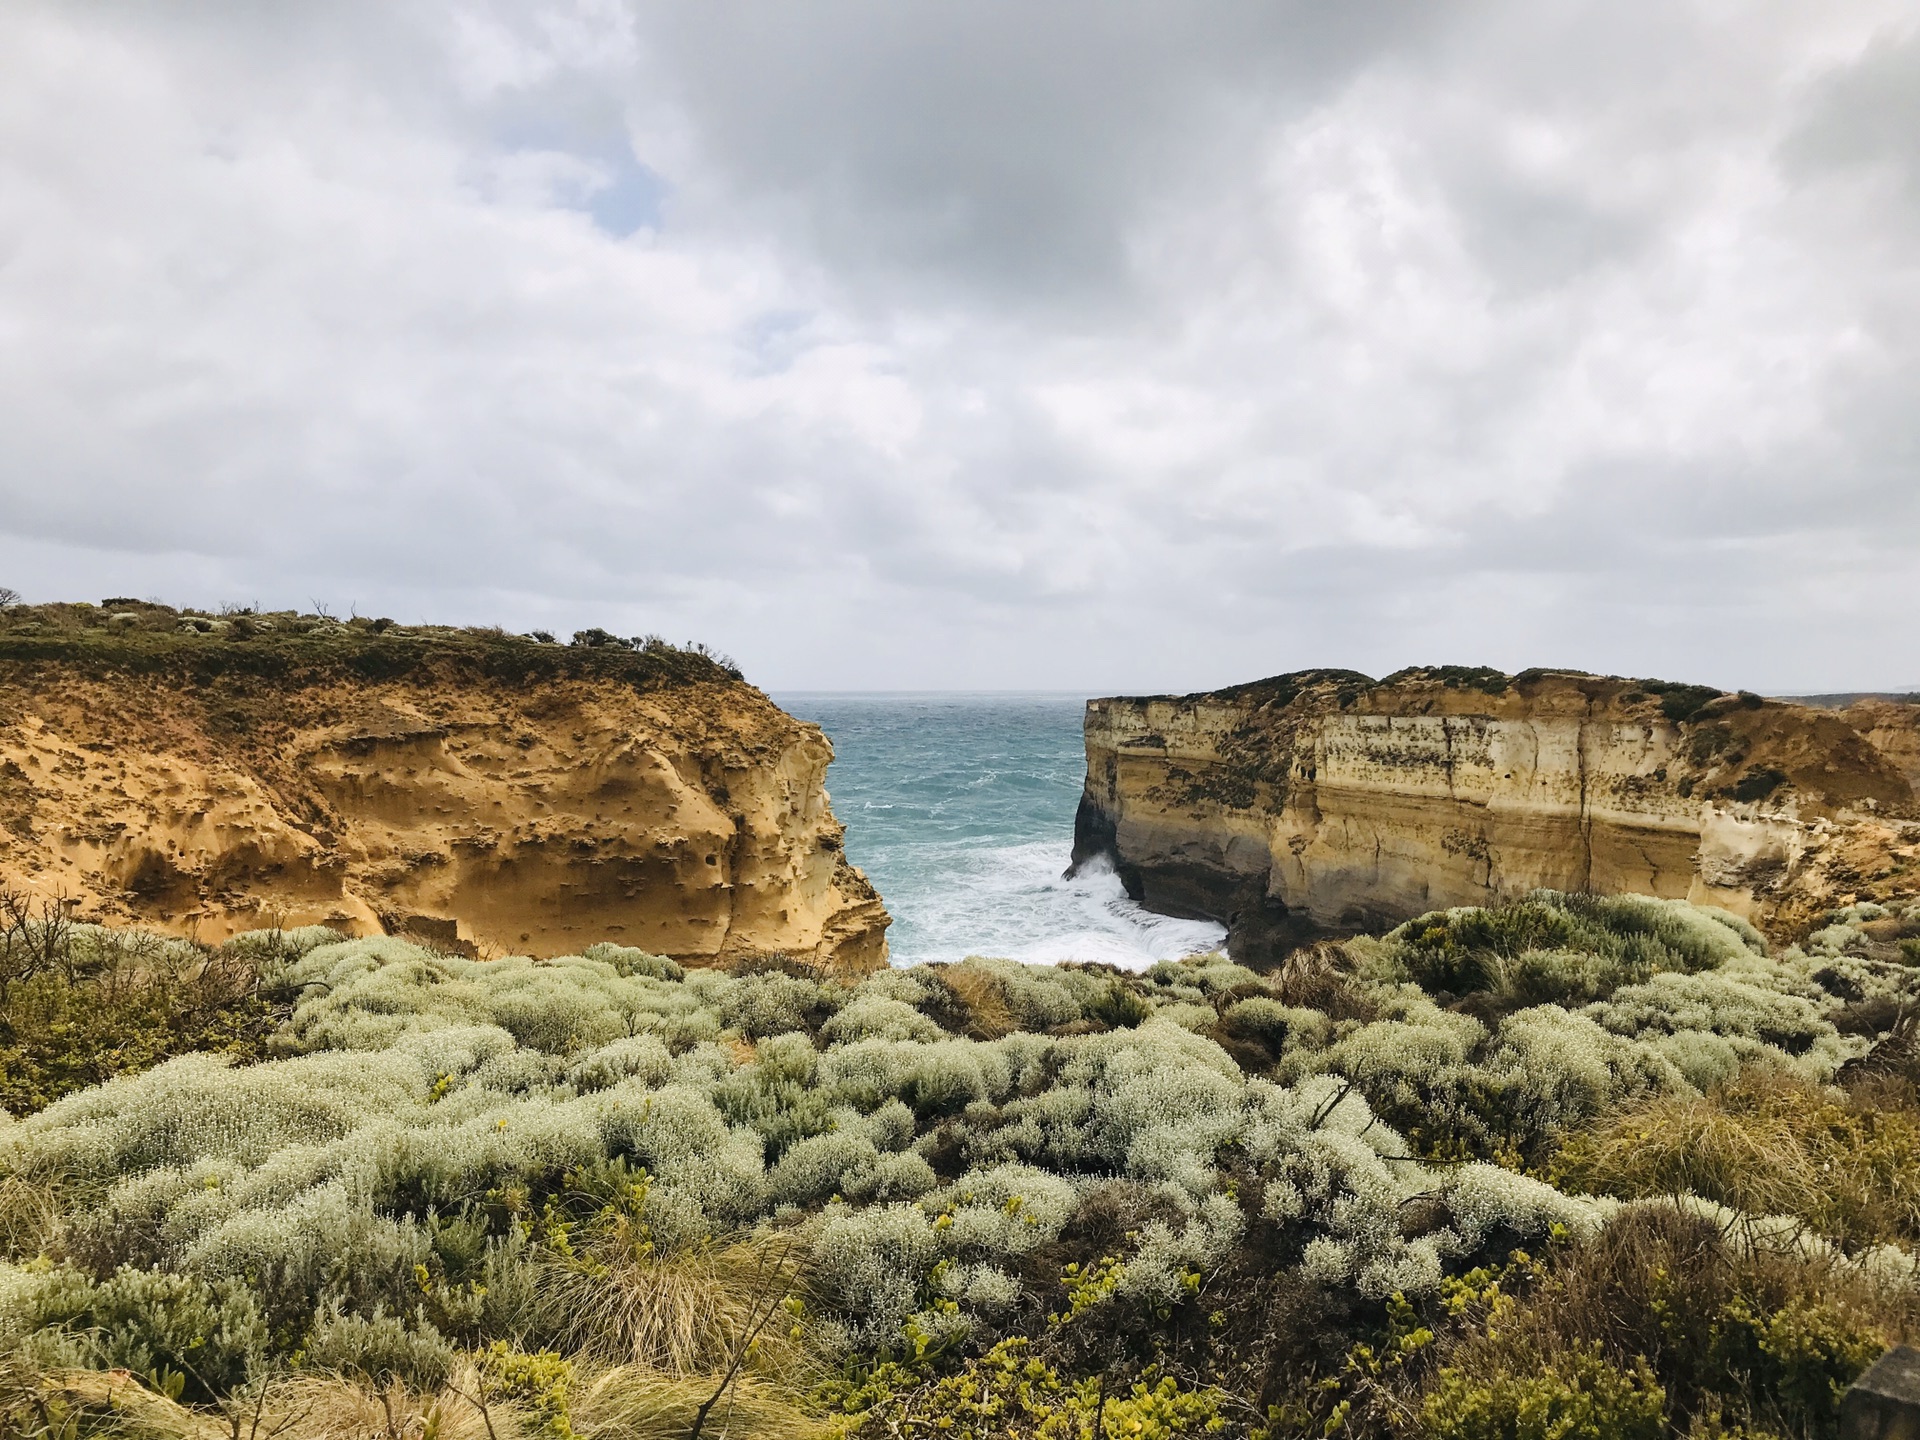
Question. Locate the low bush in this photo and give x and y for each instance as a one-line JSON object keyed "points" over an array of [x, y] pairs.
{"points": [[604, 1191], [1577, 1394], [82, 1004]]}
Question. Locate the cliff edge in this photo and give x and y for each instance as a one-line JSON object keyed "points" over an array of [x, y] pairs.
{"points": [[486, 792], [1327, 799]]}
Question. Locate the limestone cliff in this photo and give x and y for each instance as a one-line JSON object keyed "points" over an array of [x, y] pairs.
{"points": [[1328, 799], [480, 790]]}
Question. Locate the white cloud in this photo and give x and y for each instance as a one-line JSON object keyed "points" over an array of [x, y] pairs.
{"points": [[1093, 345]]}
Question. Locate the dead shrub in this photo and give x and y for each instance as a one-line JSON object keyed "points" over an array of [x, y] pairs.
{"points": [[1316, 978]]}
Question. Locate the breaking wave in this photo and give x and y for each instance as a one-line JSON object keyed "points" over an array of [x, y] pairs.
{"points": [[960, 810]]}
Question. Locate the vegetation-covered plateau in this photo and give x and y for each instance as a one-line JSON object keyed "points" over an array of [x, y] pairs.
{"points": [[1571, 1167]]}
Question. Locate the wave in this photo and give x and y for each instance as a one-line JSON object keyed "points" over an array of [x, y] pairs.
{"points": [[960, 809], [1011, 901]]}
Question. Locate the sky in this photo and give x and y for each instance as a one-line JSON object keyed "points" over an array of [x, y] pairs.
{"points": [[1093, 345]]}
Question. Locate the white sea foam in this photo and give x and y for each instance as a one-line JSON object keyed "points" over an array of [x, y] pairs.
{"points": [[960, 809], [1012, 902]]}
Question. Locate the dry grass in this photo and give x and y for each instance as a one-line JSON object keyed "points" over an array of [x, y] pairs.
{"points": [[316, 1407], [621, 1303], [626, 1402], [1770, 1144], [29, 1215], [1316, 978], [985, 996], [96, 1403], [113, 1403], [1677, 1146], [631, 1402]]}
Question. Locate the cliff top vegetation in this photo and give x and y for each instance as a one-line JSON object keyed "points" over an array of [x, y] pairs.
{"points": [[123, 635], [1676, 700]]}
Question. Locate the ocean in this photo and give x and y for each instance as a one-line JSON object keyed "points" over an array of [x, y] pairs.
{"points": [[960, 809]]}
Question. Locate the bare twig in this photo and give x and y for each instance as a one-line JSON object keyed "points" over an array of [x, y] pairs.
{"points": [[774, 1296]]}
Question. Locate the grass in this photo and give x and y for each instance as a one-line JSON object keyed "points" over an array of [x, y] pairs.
{"points": [[1768, 1144], [289, 648], [620, 1301]]}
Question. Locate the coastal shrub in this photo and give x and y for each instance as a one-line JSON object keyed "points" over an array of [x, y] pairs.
{"points": [[771, 1003], [151, 1323], [1555, 948], [877, 1017], [85, 1004], [380, 1350], [1577, 1394], [616, 1165], [1761, 1337], [640, 1058], [872, 1264]]}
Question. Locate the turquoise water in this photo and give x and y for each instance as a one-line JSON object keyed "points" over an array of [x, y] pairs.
{"points": [[960, 810]]}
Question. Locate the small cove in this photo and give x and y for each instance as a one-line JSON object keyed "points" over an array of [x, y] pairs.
{"points": [[959, 807]]}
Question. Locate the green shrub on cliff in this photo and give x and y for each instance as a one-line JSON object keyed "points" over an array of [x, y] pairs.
{"points": [[80, 1004], [239, 645], [1009, 1198]]}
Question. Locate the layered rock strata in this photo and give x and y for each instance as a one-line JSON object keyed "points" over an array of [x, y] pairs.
{"points": [[482, 792], [1327, 799]]}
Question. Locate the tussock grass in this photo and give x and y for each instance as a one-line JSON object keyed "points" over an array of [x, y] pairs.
{"points": [[1753, 1159], [632, 1402], [1771, 1143], [328, 1407], [1318, 977], [687, 1312], [59, 1403], [29, 1214], [985, 996]]}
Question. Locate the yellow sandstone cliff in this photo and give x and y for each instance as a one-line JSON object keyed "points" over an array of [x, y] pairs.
{"points": [[482, 791], [1327, 799]]}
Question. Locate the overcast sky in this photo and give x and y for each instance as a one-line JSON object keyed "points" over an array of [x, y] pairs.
{"points": [[898, 343]]}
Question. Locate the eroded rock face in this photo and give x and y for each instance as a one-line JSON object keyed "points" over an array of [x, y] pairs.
{"points": [[1326, 799], [504, 815], [1893, 728]]}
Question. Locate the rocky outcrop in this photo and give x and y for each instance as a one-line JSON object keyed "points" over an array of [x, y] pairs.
{"points": [[1893, 728], [1327, 799], [484, 792]]}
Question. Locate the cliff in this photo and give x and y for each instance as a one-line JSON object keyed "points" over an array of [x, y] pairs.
{"points": [[1893, 728], [482, 791], [1327, 799]]}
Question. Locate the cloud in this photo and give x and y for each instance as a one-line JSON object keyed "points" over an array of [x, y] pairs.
{"points": [[1093, 344]]}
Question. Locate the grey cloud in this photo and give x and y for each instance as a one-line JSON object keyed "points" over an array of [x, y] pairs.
{"points": [[1866, 114], [997, 147], [1090, 344]]}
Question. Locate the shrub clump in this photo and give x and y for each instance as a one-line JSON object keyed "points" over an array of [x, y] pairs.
{"points": [[1573, 1166]]}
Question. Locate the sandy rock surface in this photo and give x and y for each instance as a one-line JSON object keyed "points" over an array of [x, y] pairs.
{"points": [[526, 816], [1329, 799]]}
